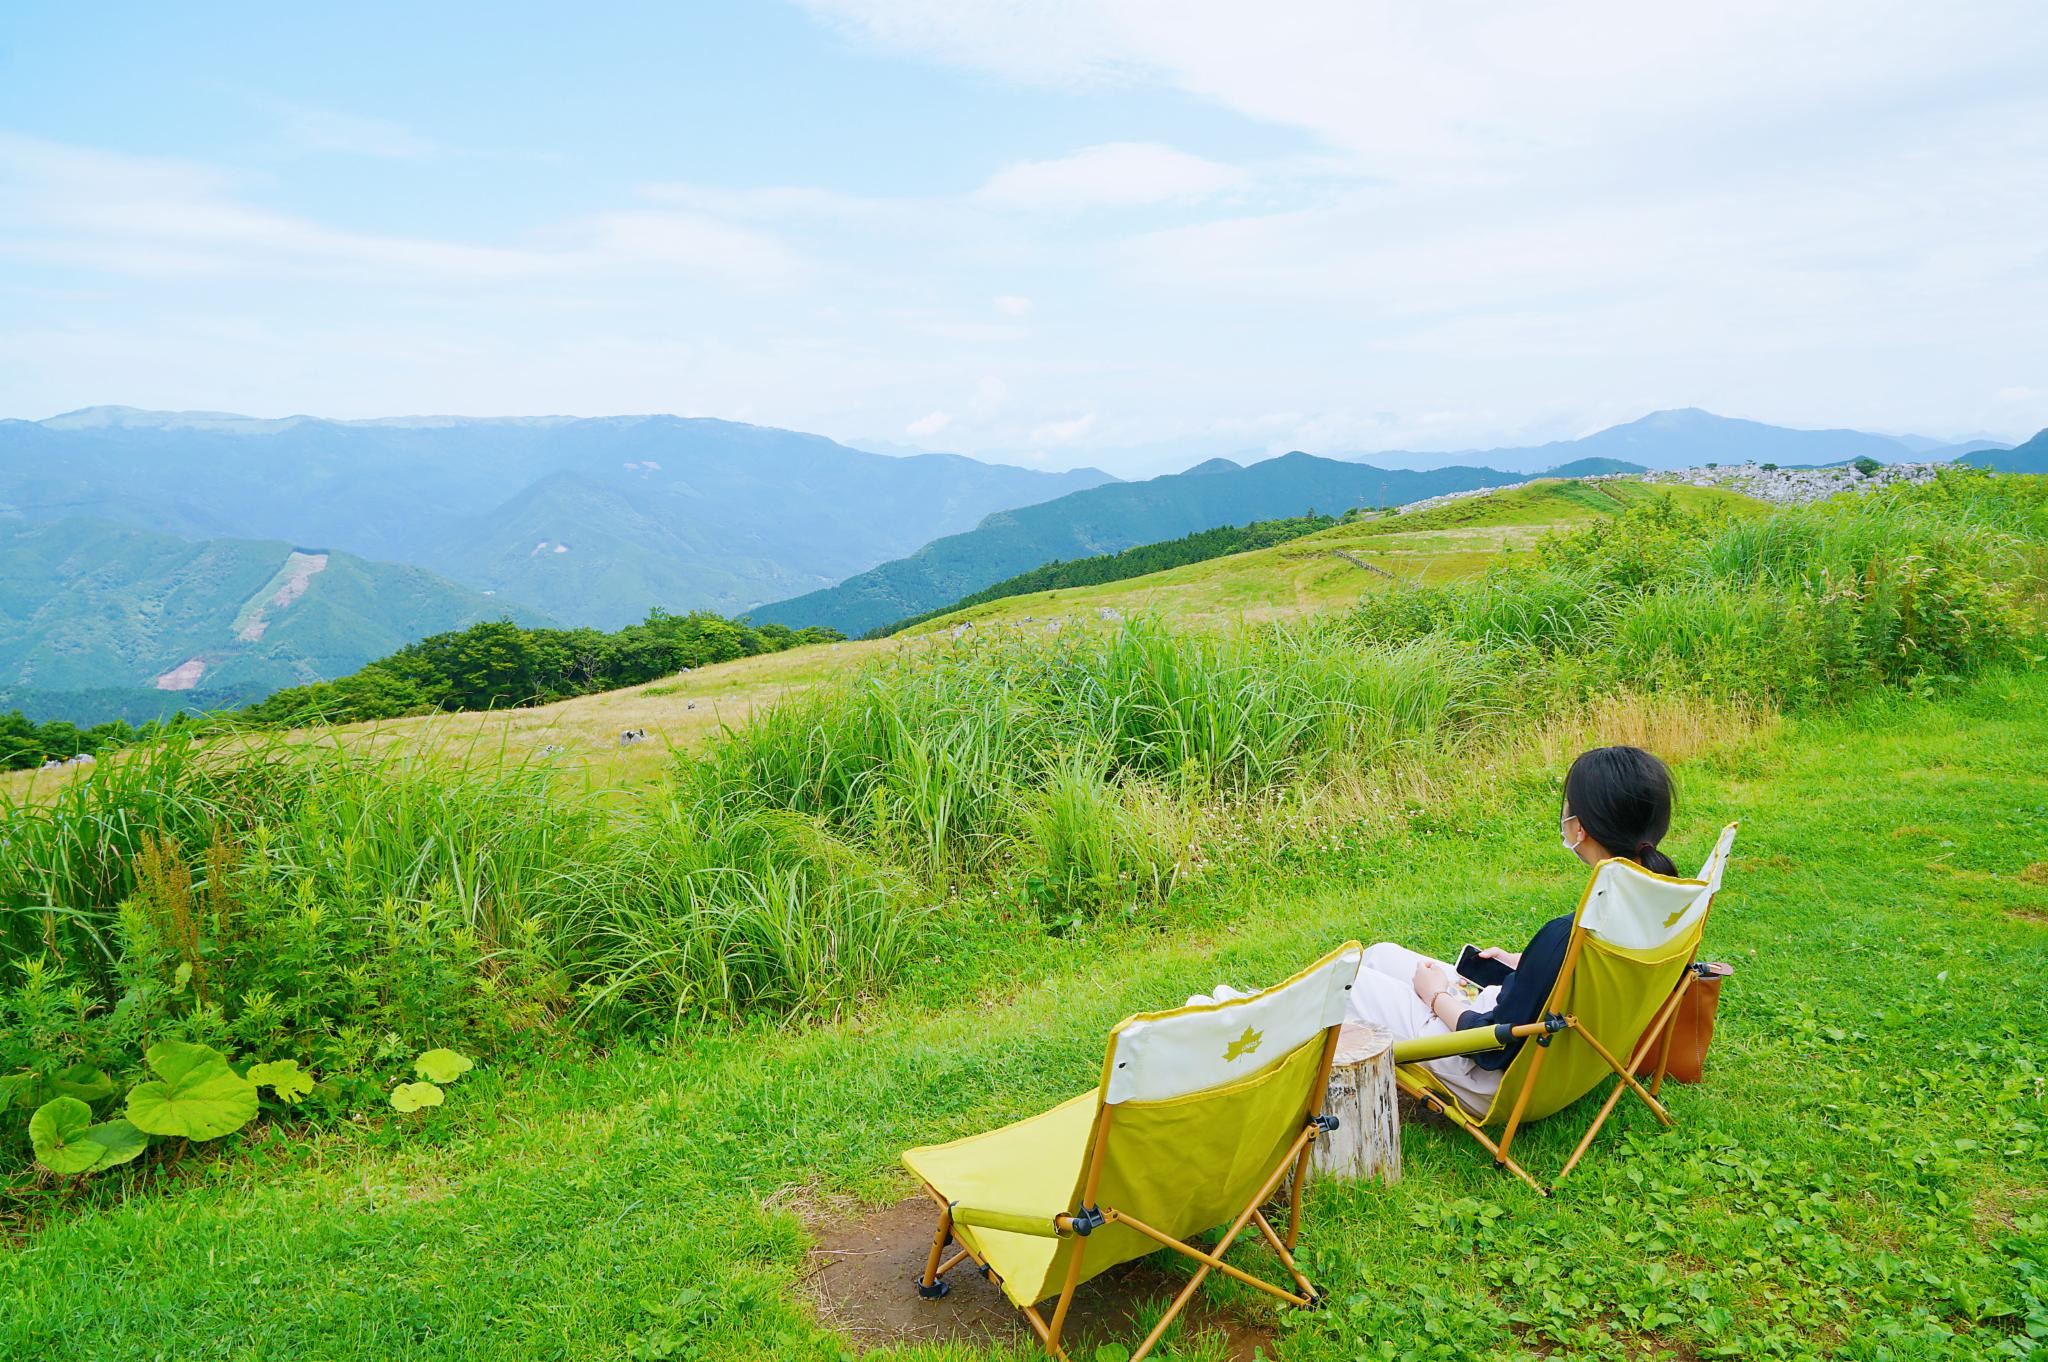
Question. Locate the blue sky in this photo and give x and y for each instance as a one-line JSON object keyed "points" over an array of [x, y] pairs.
{"points": [[1131, 233]]}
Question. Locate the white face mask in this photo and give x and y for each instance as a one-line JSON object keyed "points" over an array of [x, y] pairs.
{"points": [[1564, 834]]}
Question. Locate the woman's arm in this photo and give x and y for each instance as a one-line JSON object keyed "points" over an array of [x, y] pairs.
{"points": [[1445, 1003]]}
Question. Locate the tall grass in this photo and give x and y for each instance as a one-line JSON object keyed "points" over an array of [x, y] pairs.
{"points": [[943, 759], [656, 908]]}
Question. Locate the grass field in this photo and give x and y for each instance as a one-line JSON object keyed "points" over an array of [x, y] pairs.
{"points": [[1863, 1175], [677, 712], [1333, 568]]}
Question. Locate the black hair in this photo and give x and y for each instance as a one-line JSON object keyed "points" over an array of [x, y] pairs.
{"points": [[1622, 799]]}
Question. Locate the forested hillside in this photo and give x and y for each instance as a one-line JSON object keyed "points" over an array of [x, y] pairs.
{"points": [[100, 621], [592, 521]]}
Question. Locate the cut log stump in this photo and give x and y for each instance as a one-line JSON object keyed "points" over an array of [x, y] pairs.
{"points": [[1367, 1140]]}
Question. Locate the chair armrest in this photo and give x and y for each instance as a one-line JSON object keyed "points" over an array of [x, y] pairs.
{"points": [[1470, 1041], [1044, 1224]]}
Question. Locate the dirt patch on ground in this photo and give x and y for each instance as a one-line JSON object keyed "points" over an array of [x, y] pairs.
{"points": [[862, 1280]]}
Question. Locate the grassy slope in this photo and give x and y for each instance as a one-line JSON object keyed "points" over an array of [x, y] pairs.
{"points": [[1106, 520], [1868, 1141], [1457, 539], [1460, 538]]}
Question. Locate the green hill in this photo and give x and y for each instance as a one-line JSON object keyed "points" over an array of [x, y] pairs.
{"points": [[1110, 519], [1142, 561], [99, 620], [2031, 457], [1332, 568]]}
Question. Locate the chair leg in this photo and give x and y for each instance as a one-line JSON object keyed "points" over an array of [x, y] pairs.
{"points": [[1586, 1140], [930, 1285], [1628, 1074], [1222, 1247], [1308, 1290], [1059, 1312], [1507, 1136]]}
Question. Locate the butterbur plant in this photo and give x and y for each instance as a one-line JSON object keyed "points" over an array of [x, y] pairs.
{"points": [[196, 1095], [67, 1141], [435, 1068]]}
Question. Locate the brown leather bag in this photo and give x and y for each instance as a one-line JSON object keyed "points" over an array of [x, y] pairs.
{"points": [[1692, 1030]]}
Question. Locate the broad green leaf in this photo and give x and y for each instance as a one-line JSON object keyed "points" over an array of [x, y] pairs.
{"points": [[413, 1096], [57, 1131], [441, 1066], [82, 1081], [17, 1086], [198, 1097], [283, 1077], [181, 977], [119, 1142], [171, 1060]]}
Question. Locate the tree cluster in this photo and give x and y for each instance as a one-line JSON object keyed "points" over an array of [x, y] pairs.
{"points": [[25, 743], [499, 664]]}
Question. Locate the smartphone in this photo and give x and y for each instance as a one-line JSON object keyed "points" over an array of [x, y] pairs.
{"points": [[1480, 969]]}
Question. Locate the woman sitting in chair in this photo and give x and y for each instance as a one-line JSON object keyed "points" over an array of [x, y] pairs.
{"points": [[1617, 802]]}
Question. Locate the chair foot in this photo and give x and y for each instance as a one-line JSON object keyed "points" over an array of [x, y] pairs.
{"points": [[934, 1291]]}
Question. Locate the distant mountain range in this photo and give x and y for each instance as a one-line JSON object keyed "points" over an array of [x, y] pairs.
{"points": [[1119, 516], [137, 548], [1688, 437], [591, 521], [101, 621], [2031, 457]]}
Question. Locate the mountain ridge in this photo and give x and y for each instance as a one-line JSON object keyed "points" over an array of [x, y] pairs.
{"points": [[723, 515], [1110, 519]]}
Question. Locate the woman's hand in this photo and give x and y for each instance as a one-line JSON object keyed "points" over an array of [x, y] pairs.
{"points": [[1430, 981], [1512, 959]]}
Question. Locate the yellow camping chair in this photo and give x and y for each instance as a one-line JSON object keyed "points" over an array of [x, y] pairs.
{"points": [[1628, 965], [1201, 1113]]}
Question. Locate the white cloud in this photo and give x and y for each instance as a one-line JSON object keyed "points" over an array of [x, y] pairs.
{"points": [[1112, 174], [345, 133], [691, 241], [1063, 432], [1401, 84], [151, 215], [1012, 305], [928, 425]]}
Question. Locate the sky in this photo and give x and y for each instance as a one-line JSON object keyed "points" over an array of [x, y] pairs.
{"points": [[1133, 234]]}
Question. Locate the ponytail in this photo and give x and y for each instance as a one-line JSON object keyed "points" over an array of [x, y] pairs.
{"points": [[1622, 799], [1649, 858]]}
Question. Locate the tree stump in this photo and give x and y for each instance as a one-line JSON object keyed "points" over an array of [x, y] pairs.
{"points": [[1367, 1140]]}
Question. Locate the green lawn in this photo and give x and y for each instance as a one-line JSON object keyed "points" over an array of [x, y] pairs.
{"points": [[1862, 1176]]}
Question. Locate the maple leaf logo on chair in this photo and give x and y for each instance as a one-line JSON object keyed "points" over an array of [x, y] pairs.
{"points": [[1243, 1045]]}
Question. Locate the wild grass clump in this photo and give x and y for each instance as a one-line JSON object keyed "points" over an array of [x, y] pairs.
{"points": [[950, 758], [689, 910], [1910, 587]]}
